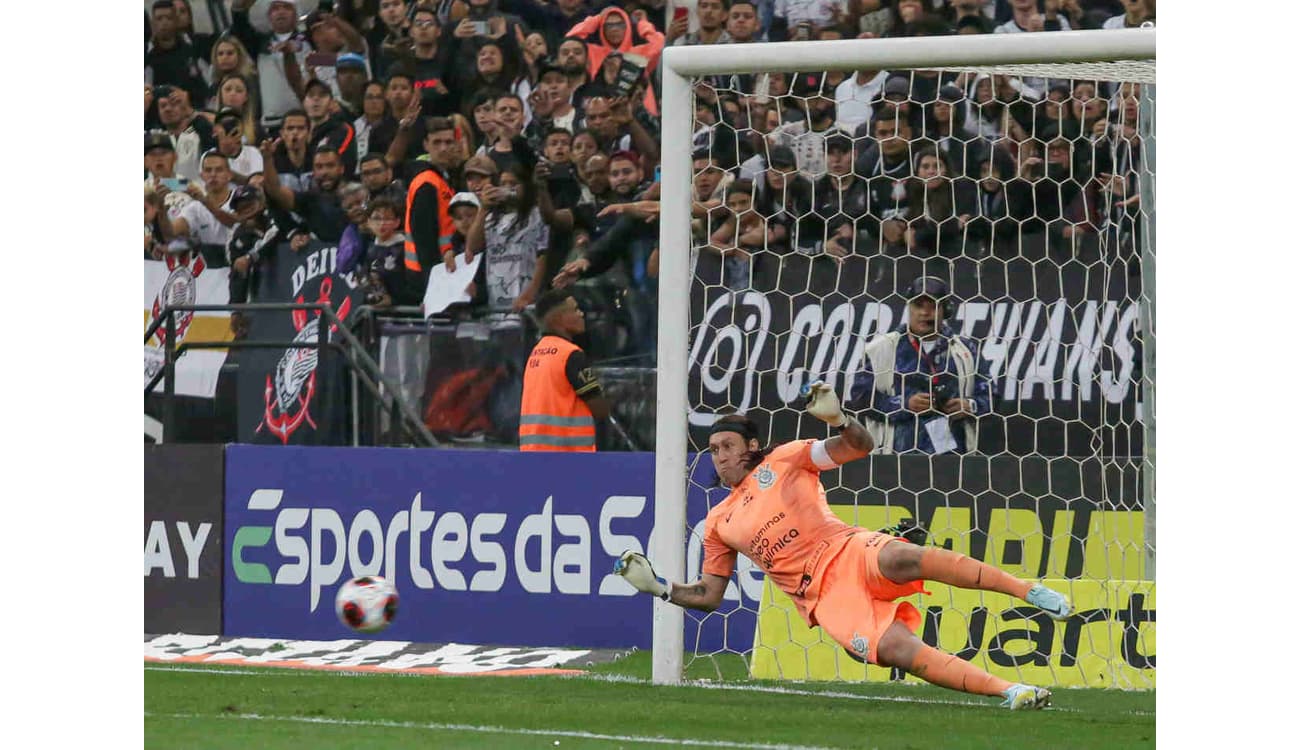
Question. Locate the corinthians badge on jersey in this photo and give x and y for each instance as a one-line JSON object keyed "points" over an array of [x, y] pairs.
{"points": [[289, 393], [765, 476]]}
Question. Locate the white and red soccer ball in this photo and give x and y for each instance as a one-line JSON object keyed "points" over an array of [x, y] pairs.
{"points": [[366, 604]]}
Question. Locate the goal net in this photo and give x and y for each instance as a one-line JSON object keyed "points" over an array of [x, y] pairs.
{"points": [[805, 190]]}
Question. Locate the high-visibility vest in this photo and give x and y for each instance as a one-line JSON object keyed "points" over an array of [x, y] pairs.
{"points": [[445, 228], [551, 416]]}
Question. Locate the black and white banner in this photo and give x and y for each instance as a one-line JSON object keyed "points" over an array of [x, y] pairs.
{"points": [[1061, 339], [296, 396]]}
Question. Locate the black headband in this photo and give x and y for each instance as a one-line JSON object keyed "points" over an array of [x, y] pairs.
{"points": [[746, 429]]}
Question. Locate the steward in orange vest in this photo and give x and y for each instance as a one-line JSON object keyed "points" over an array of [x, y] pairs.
{"points": [[562, 398]]}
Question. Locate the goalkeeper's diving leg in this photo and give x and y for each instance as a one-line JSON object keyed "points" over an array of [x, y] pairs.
{"points": [[901, 563]]}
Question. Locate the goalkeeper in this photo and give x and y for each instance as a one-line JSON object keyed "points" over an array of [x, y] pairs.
{"points": [[840, 577]]}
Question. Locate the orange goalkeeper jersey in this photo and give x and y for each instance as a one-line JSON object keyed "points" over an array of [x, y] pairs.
{"points": [[778, 518]]}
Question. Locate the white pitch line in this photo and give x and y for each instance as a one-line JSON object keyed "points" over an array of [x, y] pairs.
{"points": [[246, 671], [491, 730]]}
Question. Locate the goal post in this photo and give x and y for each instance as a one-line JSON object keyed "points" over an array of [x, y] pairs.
{"points": [[1051, 54]]}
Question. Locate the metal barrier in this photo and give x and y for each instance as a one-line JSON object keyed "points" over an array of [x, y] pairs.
{"points": [[365, 373]]}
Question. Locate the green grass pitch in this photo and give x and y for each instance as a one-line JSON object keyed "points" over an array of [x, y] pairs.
{"points": [[614, 706]]}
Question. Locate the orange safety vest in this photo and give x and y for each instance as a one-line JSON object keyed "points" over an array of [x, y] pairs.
{"points": [[445, 228], [551, 416]]}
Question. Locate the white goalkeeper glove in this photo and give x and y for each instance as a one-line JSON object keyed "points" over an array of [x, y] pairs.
{"points": [[823, 403], [641, 574]]}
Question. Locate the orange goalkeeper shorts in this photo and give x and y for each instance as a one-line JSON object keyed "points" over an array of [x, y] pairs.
{"points": [[856, 604]]}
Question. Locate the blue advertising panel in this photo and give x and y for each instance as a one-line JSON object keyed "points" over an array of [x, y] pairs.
{"points": [[485, 547]]}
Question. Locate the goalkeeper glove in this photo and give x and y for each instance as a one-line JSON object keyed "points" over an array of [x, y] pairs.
{"points": [[823, 403], [641, 574]]}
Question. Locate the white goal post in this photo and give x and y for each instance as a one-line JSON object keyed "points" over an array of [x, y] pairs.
{"points": [[679, 66]]}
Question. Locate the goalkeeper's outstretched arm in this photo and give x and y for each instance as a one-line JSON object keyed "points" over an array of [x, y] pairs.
{"points": [[854, 441], [705, 594]]}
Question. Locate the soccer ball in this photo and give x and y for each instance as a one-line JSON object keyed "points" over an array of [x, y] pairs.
{"points": [[366, 604]]}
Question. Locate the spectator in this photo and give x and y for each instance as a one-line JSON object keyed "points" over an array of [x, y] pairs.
{"points": [[254, 240], [550, 20], [234, 93], [330, 128], [626, 178], [207, 220], [244, 159], [389, 37], [157, 227], [332, 39], [798, 19], [551, 103], [513, 238], [939, 207], [400, 93], [615, 129], [922, 387], [480, 173], [377, 177], [320, 206], [169, 58], [583, 147], [1025, 16], [495, 68], [229, 58], [708, 184], [1047, 196], [613, 30], [385, 274], [281, 56], [1085, 109], [742, 22], [991, 225], [507, 145], [887, 165], [464, 209], [594, 173], [376, 126], [292, 155], [1136, 13], [743, 233], [202, 43], [191, 135], [351, 80], [712, 17], [854, 97], [160, 164], [782, 196], [807, 137], [840, 199], [944, 124], [431, 62]]}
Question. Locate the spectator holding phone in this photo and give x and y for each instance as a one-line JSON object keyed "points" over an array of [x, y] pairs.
{"points": [[513, 238], [389, 38], [613, 30], [922, 388], [161, 178], [207, 220], [281, 55], [235, 93], [245, 160]]}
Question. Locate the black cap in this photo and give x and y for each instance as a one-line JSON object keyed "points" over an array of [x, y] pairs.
{"points": [[927, 286], [897, 86], [156, 139], [780, 157], [242, 194], [163, 91]]}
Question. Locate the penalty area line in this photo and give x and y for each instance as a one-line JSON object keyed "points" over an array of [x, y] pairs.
{"points": [[382, 724]]}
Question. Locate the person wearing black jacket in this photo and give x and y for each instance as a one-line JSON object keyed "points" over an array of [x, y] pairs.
{"points": [[260, 231], [170, 58], [329, 129]]}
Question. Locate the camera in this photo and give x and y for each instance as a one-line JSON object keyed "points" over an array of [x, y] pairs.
{"points": [[940, 394]]}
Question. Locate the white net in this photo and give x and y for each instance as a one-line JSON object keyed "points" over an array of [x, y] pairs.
{"points": [[817, 199]]}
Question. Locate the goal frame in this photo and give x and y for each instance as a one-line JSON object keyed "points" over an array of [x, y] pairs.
{"points": [[679, 65]]}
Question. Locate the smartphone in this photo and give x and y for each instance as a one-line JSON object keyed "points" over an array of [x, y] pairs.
{"points": [[321, 59], [679, 13], [176, 184], [561, 172], [480, 28], [656, 173]]}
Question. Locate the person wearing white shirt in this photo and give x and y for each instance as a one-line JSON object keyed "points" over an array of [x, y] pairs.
{"points": [[1025, 17], [854, 95], [208, 219]]}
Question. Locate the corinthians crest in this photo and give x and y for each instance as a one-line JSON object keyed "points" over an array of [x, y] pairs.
{"points": [[765, 476], [180, 288], [291, 386]]}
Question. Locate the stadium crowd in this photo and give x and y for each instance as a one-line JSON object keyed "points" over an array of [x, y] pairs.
{"points": [[527, 131]]}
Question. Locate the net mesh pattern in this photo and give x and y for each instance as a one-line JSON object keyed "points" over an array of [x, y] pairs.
{"points": [[818, 199]]}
